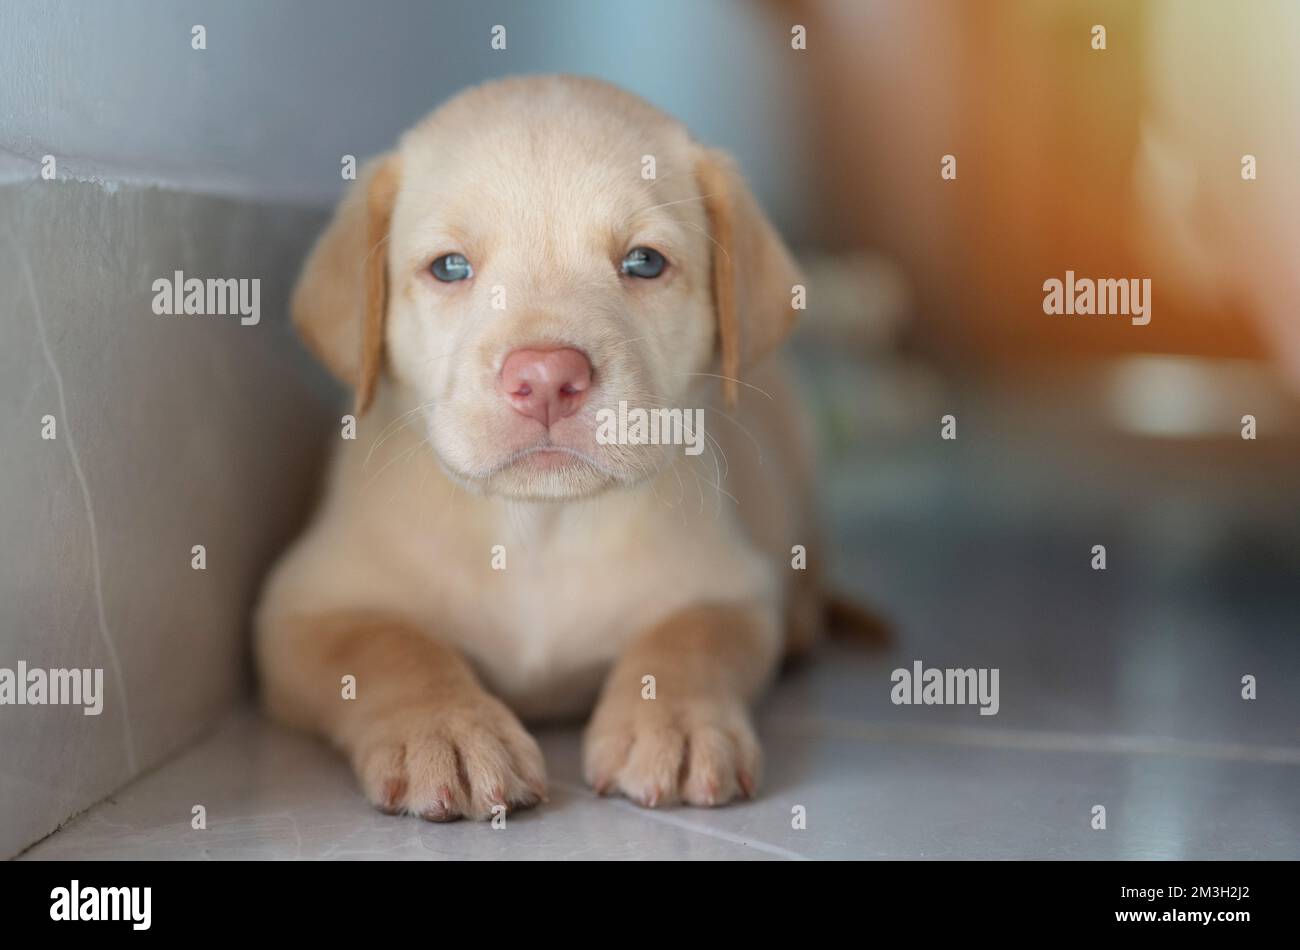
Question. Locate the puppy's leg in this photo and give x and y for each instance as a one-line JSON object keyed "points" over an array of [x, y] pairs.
{"points": [[693, 741], [423, 736]]}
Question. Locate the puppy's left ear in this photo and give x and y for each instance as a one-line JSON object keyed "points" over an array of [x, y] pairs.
{"points": [[340, 303], [753, 273]]}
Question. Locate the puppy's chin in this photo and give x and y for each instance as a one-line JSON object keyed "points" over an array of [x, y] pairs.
{"points": [[544, 474], [527, 485]]}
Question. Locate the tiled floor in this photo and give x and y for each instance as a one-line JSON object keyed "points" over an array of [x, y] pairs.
{"points": [[879, 785], [1119, 688]]}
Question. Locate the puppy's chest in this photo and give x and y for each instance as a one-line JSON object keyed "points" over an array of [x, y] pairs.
{"points": [[544, 624], [542, 601]]}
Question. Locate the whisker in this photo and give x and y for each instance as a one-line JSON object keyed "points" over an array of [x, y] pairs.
{"points": [[669, 204], [712, 239], [405, 453], [385, 435], [734, 380]]}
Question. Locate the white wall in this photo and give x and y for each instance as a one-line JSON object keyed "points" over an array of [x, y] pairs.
{"points": [[168, 432], [285, 88]]}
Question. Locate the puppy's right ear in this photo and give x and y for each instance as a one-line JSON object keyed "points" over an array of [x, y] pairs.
{"points": [[341, 300]]}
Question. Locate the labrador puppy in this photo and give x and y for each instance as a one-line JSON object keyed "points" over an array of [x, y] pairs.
{"points": [[534, 255]]}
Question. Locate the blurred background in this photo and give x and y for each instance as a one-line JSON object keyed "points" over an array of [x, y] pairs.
{"points": [[925, 300]]}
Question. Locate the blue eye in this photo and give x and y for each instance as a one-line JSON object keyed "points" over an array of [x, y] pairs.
{"points": [[643, 262], [452, 267]]}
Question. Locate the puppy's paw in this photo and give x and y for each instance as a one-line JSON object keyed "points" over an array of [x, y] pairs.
{"points": [[443, 761], [657, 752]]}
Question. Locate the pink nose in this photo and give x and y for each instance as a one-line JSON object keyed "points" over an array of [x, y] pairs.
{"points": [[546, 385]]}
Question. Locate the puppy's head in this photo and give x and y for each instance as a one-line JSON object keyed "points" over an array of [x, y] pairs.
{"points": [[536, 251]]}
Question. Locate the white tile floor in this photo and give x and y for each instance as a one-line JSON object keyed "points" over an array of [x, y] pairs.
{"points": [[1119, 688], [881, 785]]}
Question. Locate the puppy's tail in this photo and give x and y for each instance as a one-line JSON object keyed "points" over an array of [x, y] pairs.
{"points": [[849, 620]]}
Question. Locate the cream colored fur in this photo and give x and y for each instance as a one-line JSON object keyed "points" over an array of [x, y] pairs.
{"points": [[623, 563]]}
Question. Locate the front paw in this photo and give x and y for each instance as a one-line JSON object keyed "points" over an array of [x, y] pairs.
{"points": [[698, 750], [469, 758]]}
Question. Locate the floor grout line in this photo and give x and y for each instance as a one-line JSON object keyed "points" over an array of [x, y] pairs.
{"points": [[1037, 740], [668, 818]]}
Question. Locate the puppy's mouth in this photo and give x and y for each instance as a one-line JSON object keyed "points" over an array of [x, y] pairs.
{"points": [[543, 471], [549, 457]]}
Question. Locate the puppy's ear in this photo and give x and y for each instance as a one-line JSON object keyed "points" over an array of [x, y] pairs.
{"points": [[341, 299], [753, 273]]}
